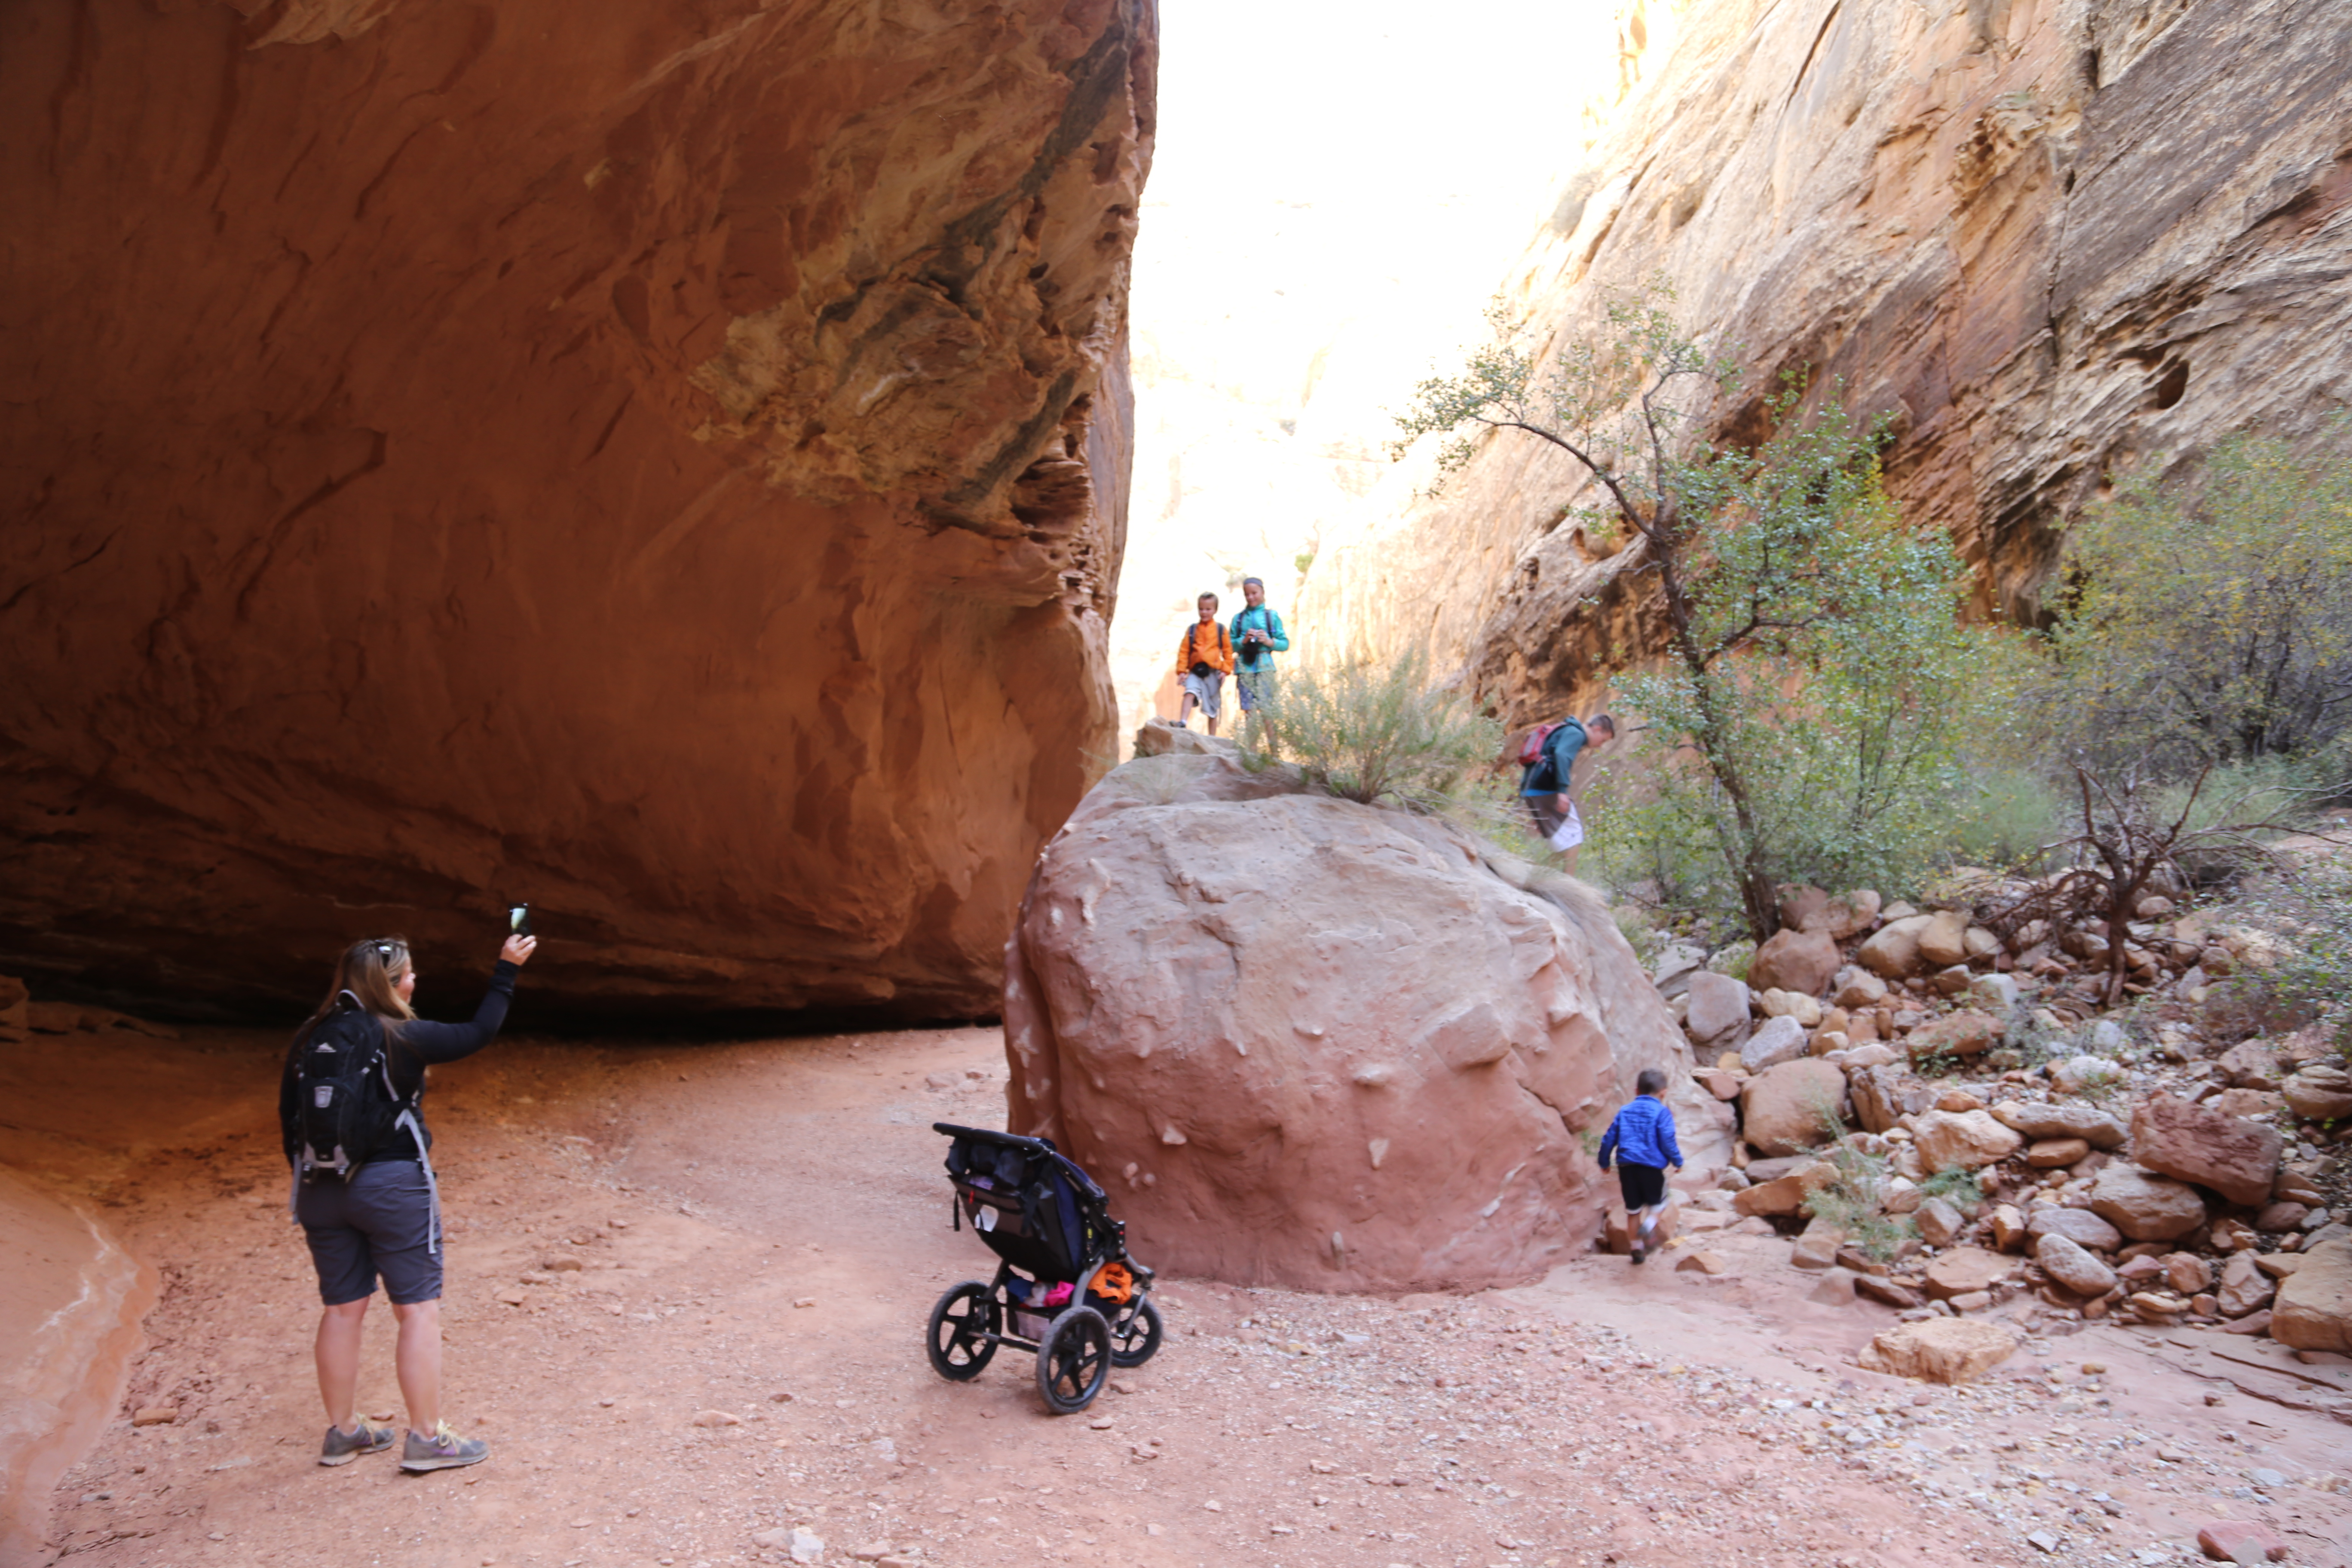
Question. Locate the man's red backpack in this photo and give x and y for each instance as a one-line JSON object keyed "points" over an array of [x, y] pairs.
{"points": [[1532, 747]]}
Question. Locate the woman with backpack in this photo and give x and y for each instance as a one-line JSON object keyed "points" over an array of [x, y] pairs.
{"points": [[350, 1109]]}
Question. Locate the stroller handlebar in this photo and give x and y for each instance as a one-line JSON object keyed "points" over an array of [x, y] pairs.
{"points": [[988, 1135]]}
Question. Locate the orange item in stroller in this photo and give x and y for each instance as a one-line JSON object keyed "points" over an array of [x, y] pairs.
{"points": [[1114, 1284]]}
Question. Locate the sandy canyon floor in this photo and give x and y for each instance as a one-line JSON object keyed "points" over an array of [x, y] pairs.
{"points": [[759, 1230]]}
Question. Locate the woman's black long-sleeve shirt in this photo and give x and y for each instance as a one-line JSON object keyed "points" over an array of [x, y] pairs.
{"points": [[419, 1043]]}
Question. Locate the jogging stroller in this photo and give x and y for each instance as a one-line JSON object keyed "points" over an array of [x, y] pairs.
{"points": [[1065, 1286]]}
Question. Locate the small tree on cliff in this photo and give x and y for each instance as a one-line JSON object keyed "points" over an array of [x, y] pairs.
{"points": [[1814, 676]]}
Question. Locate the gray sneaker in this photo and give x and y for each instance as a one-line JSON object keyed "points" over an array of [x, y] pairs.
{"points": [[445, 1450], [341, 1447]]}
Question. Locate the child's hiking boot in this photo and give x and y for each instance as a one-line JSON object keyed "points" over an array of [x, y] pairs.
{"points": [[1641, 1251], [445, 1450], [341, 1447]]}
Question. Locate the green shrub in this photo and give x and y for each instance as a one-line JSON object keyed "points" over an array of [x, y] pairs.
{"points": [[1370, 733], [2004, 818], [1853, 1204], [2212, 621]]}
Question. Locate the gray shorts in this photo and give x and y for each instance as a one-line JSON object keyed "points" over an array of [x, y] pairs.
{"points": [[381, 1222], [1256, 688], [1209, 691]]}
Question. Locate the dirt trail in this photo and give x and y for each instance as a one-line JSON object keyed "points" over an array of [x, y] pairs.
{"points": [[759, 1230]]}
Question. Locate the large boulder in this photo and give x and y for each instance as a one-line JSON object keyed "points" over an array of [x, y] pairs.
{"points": [[1795, 1105], [1892, 950], [665, 462], [2313, 1309], [1939, 1350], [2066, 1118], [1718, 1018], [1961, 1140], [2146, 1207], [1327, 1045], [1798, 961], [2237, 1158]]}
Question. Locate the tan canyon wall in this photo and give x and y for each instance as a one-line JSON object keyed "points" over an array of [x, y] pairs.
{"points": [[663, 460], [2051, 237]]}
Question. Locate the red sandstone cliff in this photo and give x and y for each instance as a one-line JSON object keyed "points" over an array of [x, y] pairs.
{"points": [[664, 461], [2049, 238]]}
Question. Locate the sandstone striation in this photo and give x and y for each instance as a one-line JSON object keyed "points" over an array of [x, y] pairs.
{"points": [[1316, 1044], [668, 465], [2050, 241]]}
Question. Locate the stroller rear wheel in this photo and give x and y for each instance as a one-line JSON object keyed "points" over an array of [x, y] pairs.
{"points": [[958, 1339], [1135, 1335], [1074, 1360]]}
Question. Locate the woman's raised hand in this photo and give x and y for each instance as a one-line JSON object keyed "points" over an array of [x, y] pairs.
{"points": [[518, 949]]}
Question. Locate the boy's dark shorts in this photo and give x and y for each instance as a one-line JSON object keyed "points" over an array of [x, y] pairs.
{"points": [[381, 1222], [1643, 1186]]}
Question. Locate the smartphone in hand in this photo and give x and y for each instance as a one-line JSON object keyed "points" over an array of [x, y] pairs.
{"points": [[518, 921]]}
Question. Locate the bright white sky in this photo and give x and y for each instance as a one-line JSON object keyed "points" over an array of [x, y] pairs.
{"points": [[1336, 193]]}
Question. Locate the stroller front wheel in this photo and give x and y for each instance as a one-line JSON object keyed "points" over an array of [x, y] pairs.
{"points": [[960, 1337], [1135, 1335], [1074, 1360]]}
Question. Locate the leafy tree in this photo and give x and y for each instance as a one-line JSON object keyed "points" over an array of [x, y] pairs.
{"points": [[2211, 623], [1815, 678]]}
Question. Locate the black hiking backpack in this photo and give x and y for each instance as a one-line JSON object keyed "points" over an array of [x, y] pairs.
{"points": [[345, 1108]]}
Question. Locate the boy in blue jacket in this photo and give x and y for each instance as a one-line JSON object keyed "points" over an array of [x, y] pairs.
{"points": [[1642, 1139]]}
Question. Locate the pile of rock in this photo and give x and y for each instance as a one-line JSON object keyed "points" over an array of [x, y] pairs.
{"points": [[1878, 1052]]}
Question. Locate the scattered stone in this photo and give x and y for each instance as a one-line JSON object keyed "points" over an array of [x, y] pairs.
{"points": [[1778, 1004], [2313, 1311], [1939, 1223], [2044, 1541], [1818, 1248], [1779, 1040], [1965, 1271], [1957, 1100], [1718, 1019], [2080, 1226], [1893, 952], [2256, 1323], [1858, 988], [2008, 1227], [1781, 1110], [1996, 994], [2055, 1154], [2320, 1092], [2282, 1217], [562, 1266], [2278, 1265], [1799, 961], [2146, 1207], [1836, 1290], [2187, 1273], [2237, 1158], [2241, 1541], [513, 1296], [717, 1418], [1943, 941], [1962, 1141], [1939, 1350], [1900, 1297], [1701, 1261], [1785, 1194], [2040, 1122], [2072, 1267], [154, 1416], [1967, 1033], [1720, 1084]]}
